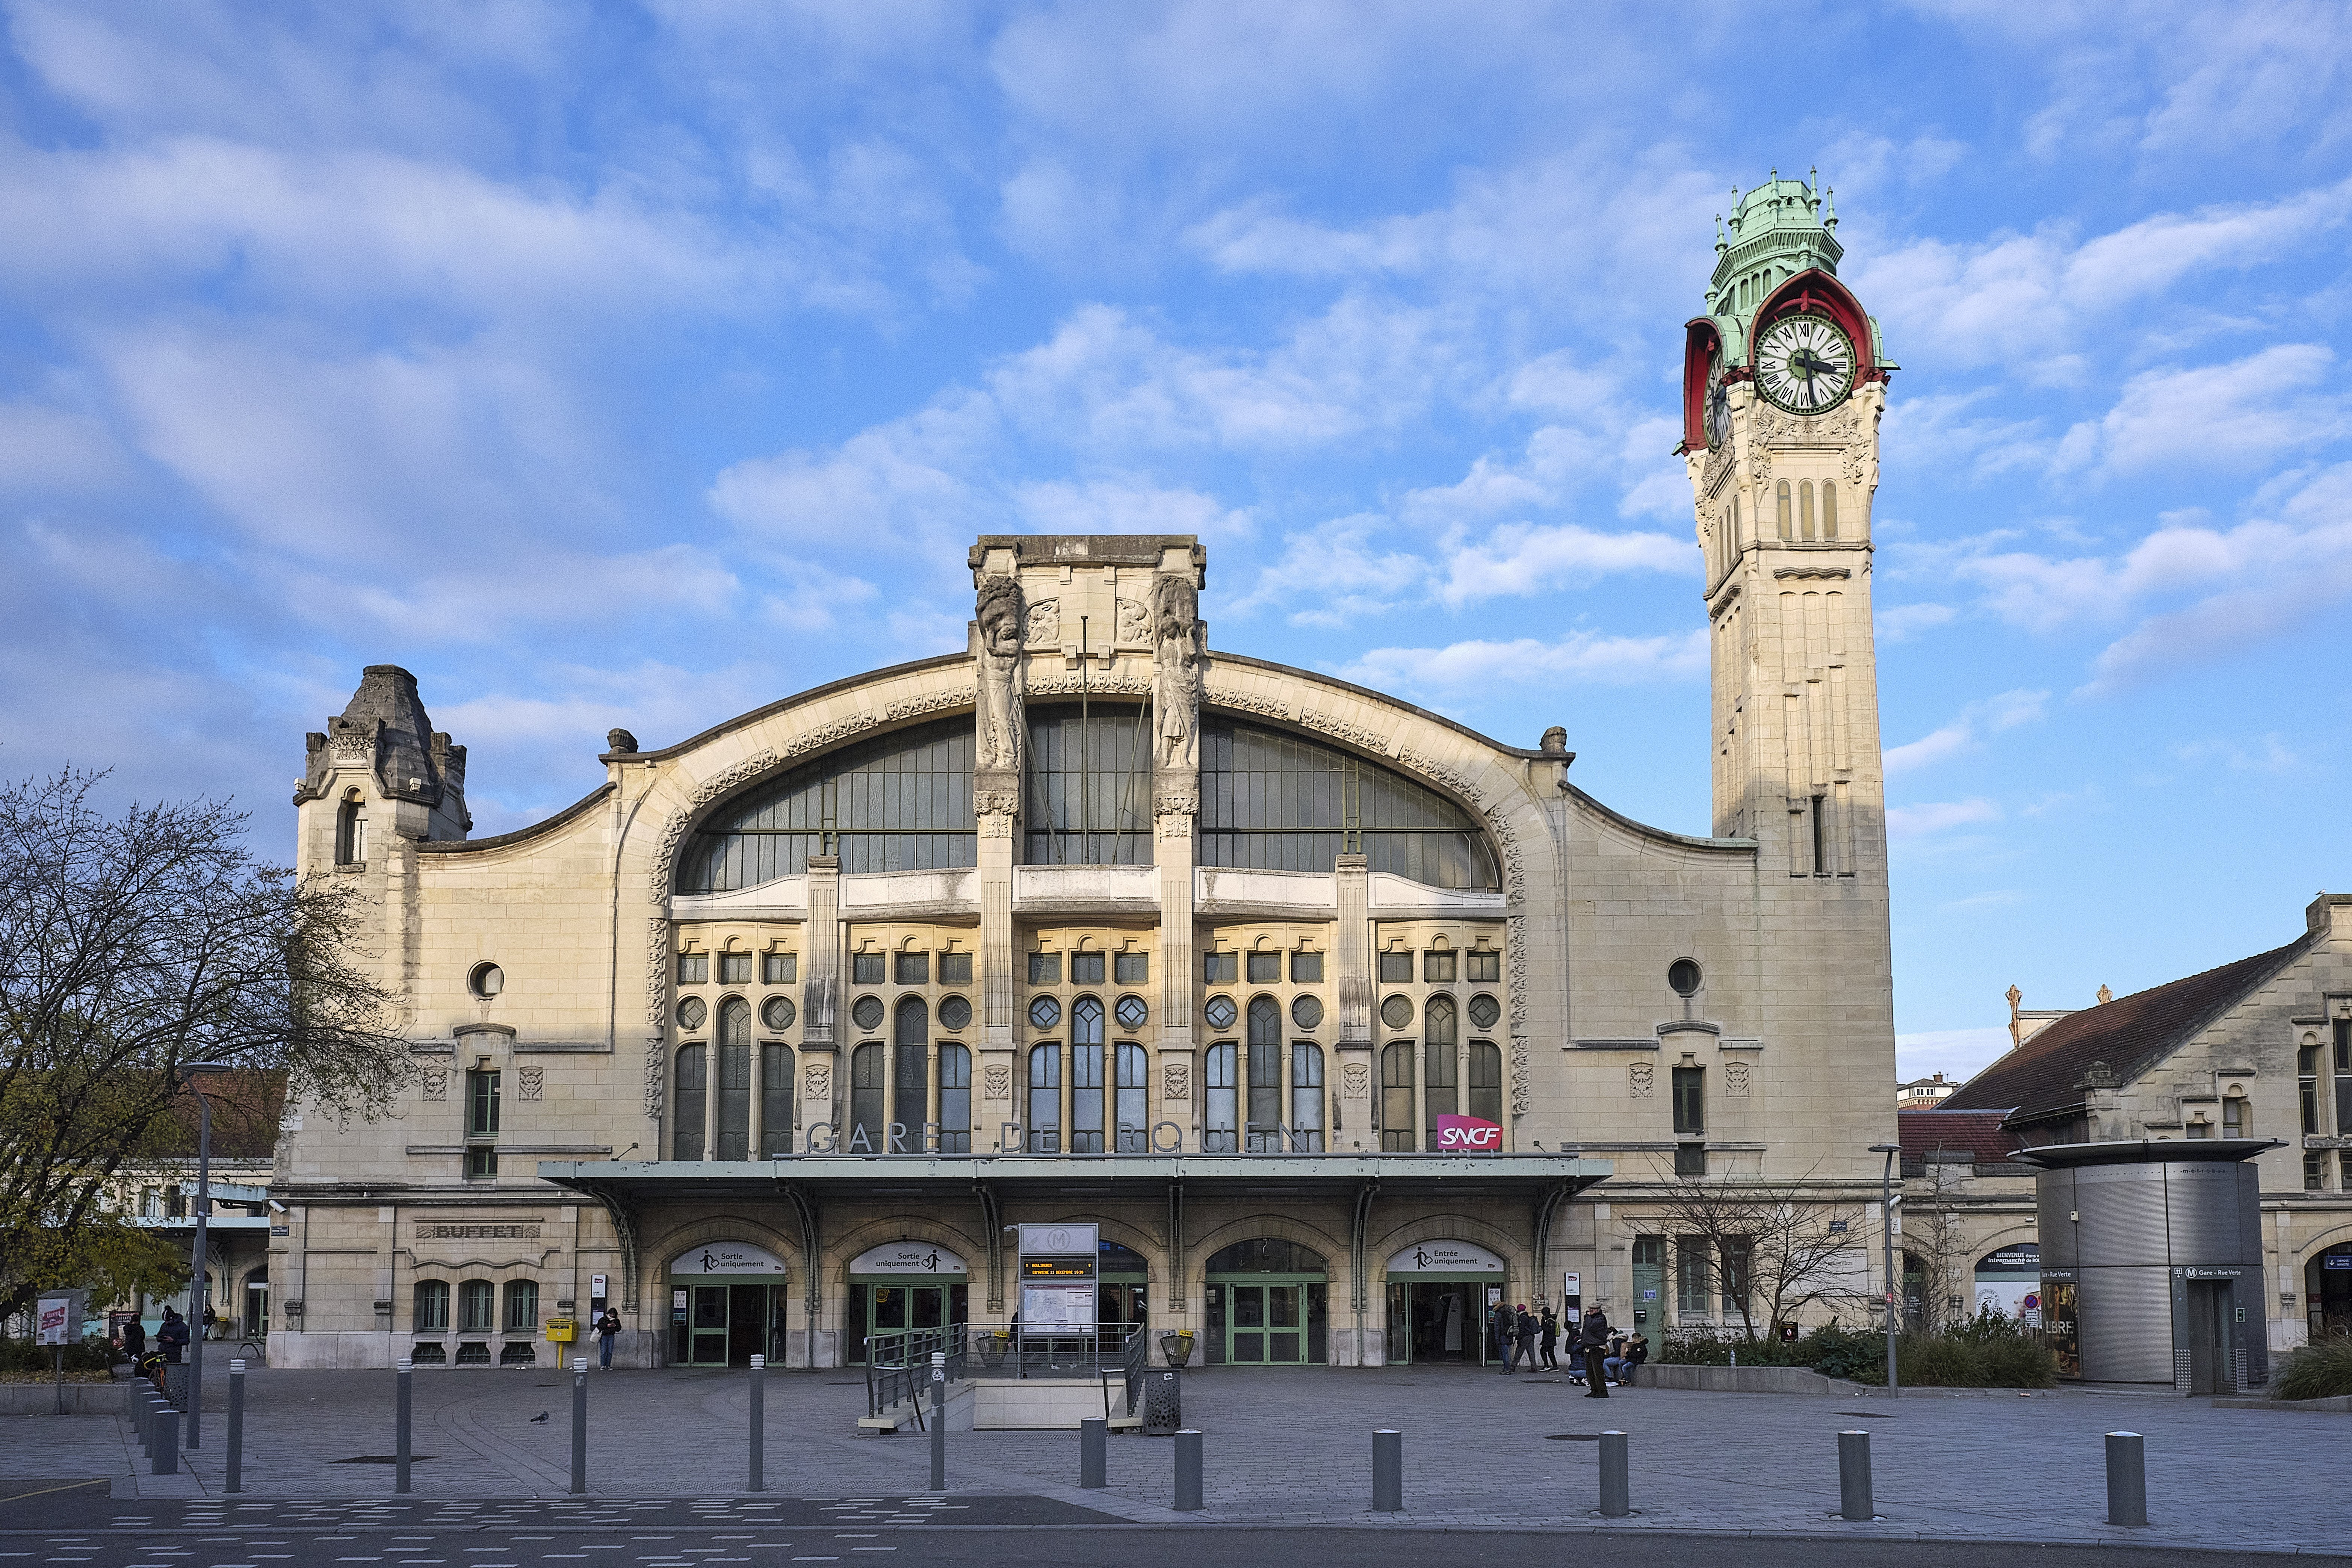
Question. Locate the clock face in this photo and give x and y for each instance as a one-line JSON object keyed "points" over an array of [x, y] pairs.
{"points": [[1804, 364], [1716, 413]]}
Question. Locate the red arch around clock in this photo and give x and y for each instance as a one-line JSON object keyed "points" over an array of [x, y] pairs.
{"points": [[1700, 340], [1815, 292]]}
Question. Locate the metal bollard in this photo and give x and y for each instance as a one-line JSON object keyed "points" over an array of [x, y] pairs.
{"points": [[1616, 1479], [580, 1433], [1388, 1471], [939, 1421], [1094, 1453], [2126, 1478], [1188, 1471], [759, 1423], [157, 1409], [1854, 1476], [401, 1371], [235, 1481], [142, 1420], [167, 1443]]}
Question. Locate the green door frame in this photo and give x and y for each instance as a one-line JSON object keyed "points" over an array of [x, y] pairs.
{"points": [[706, 1343], [1230, 1283]]}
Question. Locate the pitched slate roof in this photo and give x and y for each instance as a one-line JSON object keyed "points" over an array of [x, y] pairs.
{"points": [[2130, 1034], [1955, 1133]]}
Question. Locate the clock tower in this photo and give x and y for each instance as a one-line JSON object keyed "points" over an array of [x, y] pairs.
{"points": [[1783, 382]]}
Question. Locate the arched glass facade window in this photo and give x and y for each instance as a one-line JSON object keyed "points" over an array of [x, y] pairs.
{"points": [[477, 1306], [902, 803], [867, 1115], [1264, 1076], [1087, 1076], [1828, 509], [1441, 1042], [1307, 1097], [1396, 1097], [1805, 509], [1045, 1099], [686, 1134], [1277, 802], [734, 1079], [776, 1109], [1220, 1110], [1088, 787], [1780, 501], [1134, 1069], [955, 1101], [910, 1068], [522, 1306], [351, 830], [1486, 1081], [432, 1315]]}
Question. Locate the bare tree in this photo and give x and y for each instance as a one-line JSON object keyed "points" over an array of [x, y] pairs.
{"points": [[131, 946], [1773, 1249], [1934, 1233]]}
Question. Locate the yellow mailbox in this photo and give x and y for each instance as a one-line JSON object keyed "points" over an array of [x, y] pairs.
{"points": [[562, 1330]]}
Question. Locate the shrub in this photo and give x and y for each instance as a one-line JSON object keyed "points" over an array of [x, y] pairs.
{"points": [[19, 1357], [2320, 1370], [1988, 1352]]}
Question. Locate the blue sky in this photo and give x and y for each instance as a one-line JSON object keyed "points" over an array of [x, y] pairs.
{"points": [[639, 364]]}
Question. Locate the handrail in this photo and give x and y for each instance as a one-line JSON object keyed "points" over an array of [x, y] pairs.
{"points": [[896, 1363]]}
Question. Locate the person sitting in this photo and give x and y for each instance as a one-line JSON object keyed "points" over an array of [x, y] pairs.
{"points": [[1612, 1365]]}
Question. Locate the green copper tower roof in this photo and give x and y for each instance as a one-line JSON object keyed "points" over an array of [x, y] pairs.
{"points": [[1779, 229]]}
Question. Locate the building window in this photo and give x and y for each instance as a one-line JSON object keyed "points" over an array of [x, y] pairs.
{"points": [[481, 1162], [910, 1069], [2315, 1172], [1220, 968], [1396, 968], [1132, 1013], [1134, 1071], [351, 831], [1044, 969], [1220, 1012], [955, 969], [868, 968], [1044, 1012], [1484, 963], [1087, 1073], [1306, 1011], [482, 1104], [478, 1304], [1691, 1277], [486, 980], [1820, 836], [1780, 500], [867, 1013], [1132, 969], [1437, 966], [1265, 968], [955, 1101], [1307, 1097], [1737, 1253], [2306, 1067], [776, 1013], [1305, 968], [1828, 509], [1735, 527], [734, 969], [685, 1134], [1089, 782], [1221, 1067], [432, 1315], [1045, 1099], [1486, 1081], [866, 1131], [1443, 1068], [2344, 1076], [955, 1014], [693, 1013], [911, 968], [522, 1306], [1265, 1129], [735, 1077], [1086, 968], [780, 968], [776, 1116], [694, 969], [1805, 509], [1690, 1159], [1690, 1102], [1396, 1127], [2200, 1127], [2234, 1117]]}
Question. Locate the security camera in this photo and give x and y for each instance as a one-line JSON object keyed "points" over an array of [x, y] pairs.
{"points": [[276, 1208]]}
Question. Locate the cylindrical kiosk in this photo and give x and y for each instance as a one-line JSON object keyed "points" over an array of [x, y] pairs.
{"points": [[2152, 1261]]}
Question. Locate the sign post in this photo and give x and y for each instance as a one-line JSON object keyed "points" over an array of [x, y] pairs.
{"points": [[57, 1323], [1059, 1267]]}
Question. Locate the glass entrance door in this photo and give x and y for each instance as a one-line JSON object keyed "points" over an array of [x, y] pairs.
{"points": [[1265, 1325], [876, 1308], [728, 1324], [1431, 1320]]}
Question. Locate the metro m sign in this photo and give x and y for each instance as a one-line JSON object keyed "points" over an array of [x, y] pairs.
{"points": [[1467, 1135]]}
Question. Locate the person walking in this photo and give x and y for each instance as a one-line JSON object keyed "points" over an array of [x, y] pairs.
{"points": [[606, 1327], [171, 1336], [1594, 1340], [1498, 1330], [1549, 1337], [134, 1339], [1523, 1333]]}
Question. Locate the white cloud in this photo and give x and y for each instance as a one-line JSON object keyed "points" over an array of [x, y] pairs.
{"points": [[1901, 622], [2231, 416], [1988, 716], [1922, 821], [1957, 1054], [1523, 558], [1125, 506], [2270, 754], [1592, 657]]}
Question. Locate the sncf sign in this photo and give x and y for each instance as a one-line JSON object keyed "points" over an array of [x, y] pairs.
{"points": [[1467, 1134]]}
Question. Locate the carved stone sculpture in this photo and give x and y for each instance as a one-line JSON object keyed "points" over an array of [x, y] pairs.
{"points": [[817, 1083], [998, 740], [531, 1080], [996, 1081], [1640, 1081], [1176, 1080], [1044, 624], [436, 1083], [1356, 1081], [1177, 655], [1134, 624]]}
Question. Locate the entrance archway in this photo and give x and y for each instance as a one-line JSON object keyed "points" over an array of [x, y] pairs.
{"points": [[1437, 1300], [726, 1305], [1269, 1304], [2328, 1286]]}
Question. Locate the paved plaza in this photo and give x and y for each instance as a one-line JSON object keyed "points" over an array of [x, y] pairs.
{"points": [[1481, 1451]]}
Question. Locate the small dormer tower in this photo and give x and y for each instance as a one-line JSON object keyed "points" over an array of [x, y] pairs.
{"points": [[378, 773]]}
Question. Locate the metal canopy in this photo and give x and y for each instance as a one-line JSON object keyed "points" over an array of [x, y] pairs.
{"points": [[810, 1181]]}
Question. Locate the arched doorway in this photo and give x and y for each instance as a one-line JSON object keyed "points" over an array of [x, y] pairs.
{"points": [[2328, 1286], [727, 1305], [1269, 1304]]}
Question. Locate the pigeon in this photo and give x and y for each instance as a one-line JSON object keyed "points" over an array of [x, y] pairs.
{"points": [[541, 1416]]}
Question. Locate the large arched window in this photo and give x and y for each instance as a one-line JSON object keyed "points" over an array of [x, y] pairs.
{"points": [[1277, 802], [955, 1099], [1088, 787], [1087, 1076], [1134, 1067], [775, 1100], [902, 803], [910, 1069], [522, 1305], [1443, 1071], [1045, 1100], [867, 1132], [1220, 1110], [685, 1134], [351, 830], [1396, 1097], [478, 1302], [1264, 1074], [1307, 1097], [1486, 1081], [432, 1307], [734, 1079]]}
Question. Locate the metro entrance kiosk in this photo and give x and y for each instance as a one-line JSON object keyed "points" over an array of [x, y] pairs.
{"points": [[1059, 1267]]}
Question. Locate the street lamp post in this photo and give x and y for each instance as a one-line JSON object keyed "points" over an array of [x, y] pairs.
{"points": [[1886, 1231], [192, 1074]]}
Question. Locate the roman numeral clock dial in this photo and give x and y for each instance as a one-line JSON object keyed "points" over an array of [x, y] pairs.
{"points": [[1804, 364]]}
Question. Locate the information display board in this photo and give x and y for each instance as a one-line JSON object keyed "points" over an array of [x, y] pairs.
{"points": [[1059, 1267]]}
